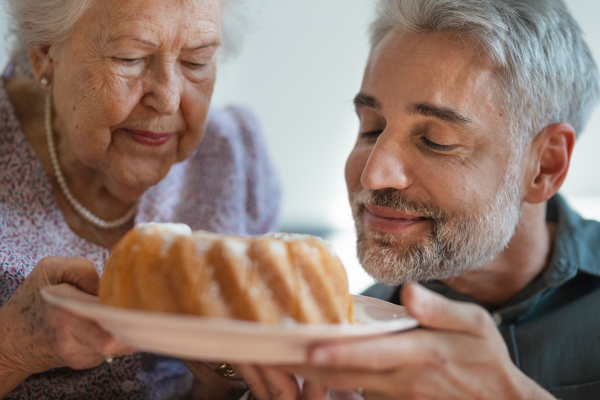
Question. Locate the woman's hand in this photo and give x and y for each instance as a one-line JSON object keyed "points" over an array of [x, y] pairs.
{"points": [[270, 383], [37, 336], [460, 355], [265, 383], [210, 385]]}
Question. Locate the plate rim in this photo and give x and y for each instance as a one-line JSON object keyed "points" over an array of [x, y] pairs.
{"points": [[250, 328]]}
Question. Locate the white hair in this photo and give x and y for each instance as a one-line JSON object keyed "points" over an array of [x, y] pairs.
{"points": [[547, 73], [47, 22]]}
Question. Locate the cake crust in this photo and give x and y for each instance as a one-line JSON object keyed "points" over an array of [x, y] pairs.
{"points": [[169, 268]]}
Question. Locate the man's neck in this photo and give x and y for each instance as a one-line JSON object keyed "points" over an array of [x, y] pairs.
{"points": [[526, 256]]}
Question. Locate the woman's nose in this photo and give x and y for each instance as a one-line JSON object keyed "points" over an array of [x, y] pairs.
{"points": [[387, 166], [164, 91]]}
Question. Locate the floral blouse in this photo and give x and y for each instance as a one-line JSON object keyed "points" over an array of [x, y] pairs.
{"points": [[227, 186]]}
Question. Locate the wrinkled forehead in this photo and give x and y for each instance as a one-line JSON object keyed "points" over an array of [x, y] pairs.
{"points": [[168, 18], [432, 67]]}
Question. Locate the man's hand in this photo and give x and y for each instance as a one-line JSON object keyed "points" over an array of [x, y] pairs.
{"points": [[459, 355]]}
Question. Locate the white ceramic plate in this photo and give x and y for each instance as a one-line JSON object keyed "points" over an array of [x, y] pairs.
{"points": [[205, 338]]}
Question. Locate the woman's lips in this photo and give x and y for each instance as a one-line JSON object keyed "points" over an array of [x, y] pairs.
{"points": [[385, 219], [149, 138]]}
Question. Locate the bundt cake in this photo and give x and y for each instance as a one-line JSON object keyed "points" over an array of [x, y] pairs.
{"points": [[169, 268]]}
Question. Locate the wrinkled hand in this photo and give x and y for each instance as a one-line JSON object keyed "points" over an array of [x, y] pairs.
{"points": [[266, 383], [270, 383], [37, 336], [459, 355], [209, 385]]}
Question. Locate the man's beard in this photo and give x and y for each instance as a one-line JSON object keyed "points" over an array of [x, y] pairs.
{"points": [[455, 245]]}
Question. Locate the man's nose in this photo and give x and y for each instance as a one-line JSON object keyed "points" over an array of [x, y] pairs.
{"points": [[164, 91], [387, 166]]}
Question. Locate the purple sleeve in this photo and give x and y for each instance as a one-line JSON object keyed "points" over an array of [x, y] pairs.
{"points": [[262, 183]]}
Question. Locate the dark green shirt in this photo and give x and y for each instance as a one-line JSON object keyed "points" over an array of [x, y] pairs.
{"points": [[552, 327]]}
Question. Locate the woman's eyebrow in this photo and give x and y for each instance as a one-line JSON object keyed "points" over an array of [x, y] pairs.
{"points": [[131, 37], [154, 45], [203, 46]]}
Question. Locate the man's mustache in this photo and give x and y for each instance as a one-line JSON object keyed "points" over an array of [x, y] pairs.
{"points": [[395, 200]]}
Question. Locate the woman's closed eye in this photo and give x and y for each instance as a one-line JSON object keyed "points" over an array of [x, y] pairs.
{"points": [[129, 61], [193, 65], [438, 147]]}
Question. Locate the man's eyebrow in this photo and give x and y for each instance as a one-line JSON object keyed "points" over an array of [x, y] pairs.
{"points": [[444, 113], [366, 100]]}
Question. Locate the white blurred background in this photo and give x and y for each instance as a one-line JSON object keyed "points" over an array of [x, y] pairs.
{"points": [[299, 71]]}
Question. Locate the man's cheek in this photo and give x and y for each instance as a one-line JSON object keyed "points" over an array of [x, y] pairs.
{"points": [[355, 165]]}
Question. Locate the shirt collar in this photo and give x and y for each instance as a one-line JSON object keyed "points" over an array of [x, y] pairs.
{"points": [[577, 241]]}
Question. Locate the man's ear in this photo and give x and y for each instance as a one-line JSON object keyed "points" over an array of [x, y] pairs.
{"points": [[41, 63], [549, 161]]}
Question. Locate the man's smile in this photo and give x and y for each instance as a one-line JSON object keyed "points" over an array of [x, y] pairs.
{"points": [[387, 220]]}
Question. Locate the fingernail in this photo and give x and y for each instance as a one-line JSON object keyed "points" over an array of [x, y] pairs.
{"points": [[319, 356]]}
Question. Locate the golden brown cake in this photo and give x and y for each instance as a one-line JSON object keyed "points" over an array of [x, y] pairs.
{"points": [[169, 268]]}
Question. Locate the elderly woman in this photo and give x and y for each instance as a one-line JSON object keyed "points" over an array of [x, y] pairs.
{"points": [[105, 124]]}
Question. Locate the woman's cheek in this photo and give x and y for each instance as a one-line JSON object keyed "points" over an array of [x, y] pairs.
{"points": [[89, 138], [195, 129], [194, 107], [119, 95]]}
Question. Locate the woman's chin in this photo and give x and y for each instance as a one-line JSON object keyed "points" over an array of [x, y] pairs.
{"points": [[131, 184]]}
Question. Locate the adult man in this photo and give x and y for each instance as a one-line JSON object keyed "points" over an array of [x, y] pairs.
{"points": [[469, 110]]}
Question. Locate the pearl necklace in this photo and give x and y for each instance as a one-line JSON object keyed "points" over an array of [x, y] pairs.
{"points": [[77, 206]]}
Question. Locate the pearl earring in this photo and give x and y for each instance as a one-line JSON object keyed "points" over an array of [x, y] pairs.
{"points": [[45, 80]]}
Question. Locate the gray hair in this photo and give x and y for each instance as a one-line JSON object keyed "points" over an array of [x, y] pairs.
{"points": [[35, 22], [547, 73]]}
